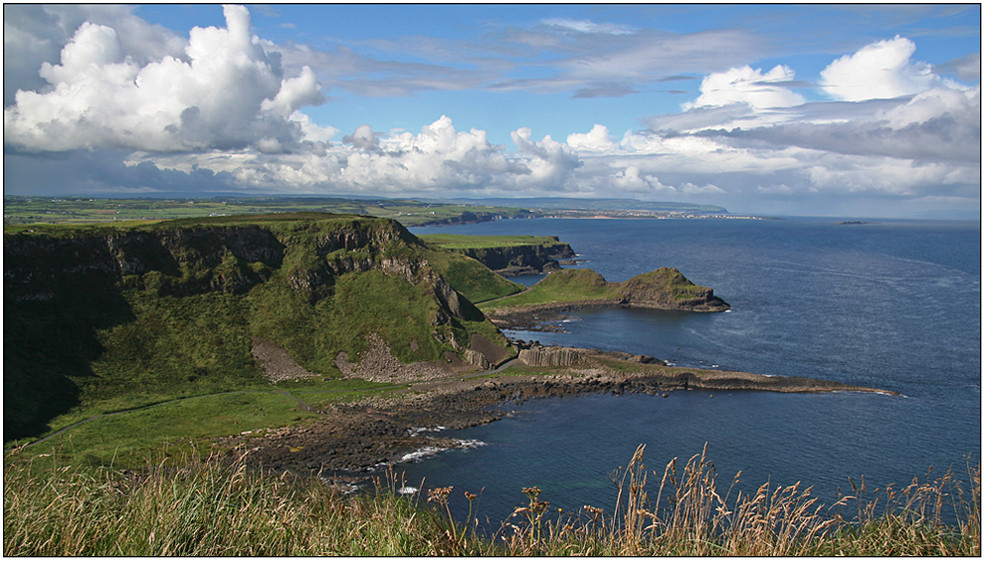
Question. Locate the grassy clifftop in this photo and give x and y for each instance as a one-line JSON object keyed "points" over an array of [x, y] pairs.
{"points": [[102, 318], [664, 288], [507, 254]]}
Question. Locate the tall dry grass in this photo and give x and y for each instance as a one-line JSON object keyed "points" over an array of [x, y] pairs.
{"points": [[212, 507], [220, 507]]}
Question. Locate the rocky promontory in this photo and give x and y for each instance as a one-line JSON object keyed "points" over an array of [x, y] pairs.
{"points": [[540, 307]]}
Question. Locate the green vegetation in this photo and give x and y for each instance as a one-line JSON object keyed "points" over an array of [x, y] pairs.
{"points": [[511, 254], [471, 278], [83, 210], [109, 318], [184, 506], [125, 439], [587, 286]]}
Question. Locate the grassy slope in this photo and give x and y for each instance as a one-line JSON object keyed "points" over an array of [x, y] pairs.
{"points": [[121, 348], [471, 278], [585, 285]]}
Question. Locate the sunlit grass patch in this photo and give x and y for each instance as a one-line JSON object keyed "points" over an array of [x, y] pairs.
{"points": [[126, 437]]}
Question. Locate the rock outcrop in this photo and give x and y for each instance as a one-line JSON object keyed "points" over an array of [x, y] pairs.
{"points": [[551, 356], [667, 288], [522, 259]]}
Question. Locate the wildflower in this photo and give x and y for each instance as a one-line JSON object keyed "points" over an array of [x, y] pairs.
{"points": [[439, 495], [593, 509]]}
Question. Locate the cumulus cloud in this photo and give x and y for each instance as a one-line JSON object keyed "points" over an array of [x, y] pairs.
{"points": [[632, 180], [229, 94], [595, 140], [437, 159], [35, 34], [363, 138], [880, 70], [550, 162], [749, 86]]}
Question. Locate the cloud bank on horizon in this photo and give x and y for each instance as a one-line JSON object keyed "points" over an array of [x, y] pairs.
{"points": [[99, 100]]}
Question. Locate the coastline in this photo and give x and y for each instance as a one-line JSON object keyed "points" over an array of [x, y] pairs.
{"points": [[540, 317], [348, 440]]}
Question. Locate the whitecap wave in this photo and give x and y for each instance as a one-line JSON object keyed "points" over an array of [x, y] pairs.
{"points": [[429, 451], [470, 443], [414, 431], [421, 453]]}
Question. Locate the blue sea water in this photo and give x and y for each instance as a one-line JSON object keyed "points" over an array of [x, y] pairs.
{"points": [[890, 304]]}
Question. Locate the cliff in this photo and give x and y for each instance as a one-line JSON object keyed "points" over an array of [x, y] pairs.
{"points": [[508, 255], [524, 259], [174, 307]]}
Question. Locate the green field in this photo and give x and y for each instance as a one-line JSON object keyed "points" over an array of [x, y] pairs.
{"points": [[86, 210]]}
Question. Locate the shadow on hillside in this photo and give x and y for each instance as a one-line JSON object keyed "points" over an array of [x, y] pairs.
{"points": [[47, 344]]}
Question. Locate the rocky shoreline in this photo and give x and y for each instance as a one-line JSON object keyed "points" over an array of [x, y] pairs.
{"points": [[546, 317], [348, 440]]}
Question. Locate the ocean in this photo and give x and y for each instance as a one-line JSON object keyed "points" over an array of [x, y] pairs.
{"points": [[889, 304]]}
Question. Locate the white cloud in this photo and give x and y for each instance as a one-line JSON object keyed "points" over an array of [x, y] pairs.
{"points": [[692, 189], [363, 138], [595, 140], [230, 93], [893, 176], [632, 180], [550, 162], [749, 86], [879, 70], [35, 34], [312, 132], [935, 102]]}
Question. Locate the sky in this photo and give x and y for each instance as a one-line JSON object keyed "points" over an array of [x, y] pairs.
{"points": [[795, 109]]}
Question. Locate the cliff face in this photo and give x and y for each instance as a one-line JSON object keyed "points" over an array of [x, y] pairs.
{"points": [[183, 260], [521, 259], [173, 261], [162, 306]]}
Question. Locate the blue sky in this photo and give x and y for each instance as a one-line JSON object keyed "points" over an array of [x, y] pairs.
{"points": [[845, 110]]}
